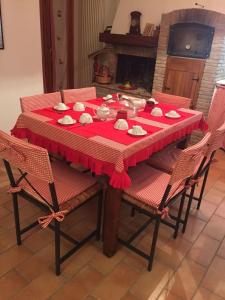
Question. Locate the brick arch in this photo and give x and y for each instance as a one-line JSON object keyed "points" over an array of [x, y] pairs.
{"points": [[215, 64]]}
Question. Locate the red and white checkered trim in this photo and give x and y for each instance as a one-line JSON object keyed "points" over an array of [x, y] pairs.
{"points": [[180, 102], [30, 103], [83, 94]]}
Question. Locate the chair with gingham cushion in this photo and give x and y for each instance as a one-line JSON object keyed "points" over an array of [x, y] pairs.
{"points": [[56, 188], [166, 160], [178, 101], [30, 103], [83, 94], [152, 191]]}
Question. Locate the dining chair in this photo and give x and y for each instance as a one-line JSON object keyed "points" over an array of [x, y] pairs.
{"points": [[54, 187], [82, 94], [152, 191], [178, 101], [30, 103], [165, 160]]}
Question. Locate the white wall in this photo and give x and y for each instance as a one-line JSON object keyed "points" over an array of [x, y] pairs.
{"points": [[152, 9], [20, 61]]}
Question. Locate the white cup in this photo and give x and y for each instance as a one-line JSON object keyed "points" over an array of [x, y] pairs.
{"points": [[67, 120], [85, 118], [79, 106], [61, 105], [136, 129], [157, 112], [121, 124]]}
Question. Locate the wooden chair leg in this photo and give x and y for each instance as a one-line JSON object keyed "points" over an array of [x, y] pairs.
{"points": [[57, 248], [179, 215], [17, 219], [154, 241]]}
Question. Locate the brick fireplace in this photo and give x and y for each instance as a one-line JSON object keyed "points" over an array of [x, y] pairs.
{"points": [[128, 58], [214, 68]]}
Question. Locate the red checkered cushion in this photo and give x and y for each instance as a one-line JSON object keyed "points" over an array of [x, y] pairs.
{"points": [[82, 94], [180, 102], [69, 183], [166, 159], [30, 103], [148, 185]]}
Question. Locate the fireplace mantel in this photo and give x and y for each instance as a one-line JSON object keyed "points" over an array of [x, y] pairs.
{"points": [[129, 40]]}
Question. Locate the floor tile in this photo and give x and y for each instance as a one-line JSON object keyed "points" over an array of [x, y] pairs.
{"points": [[116, 284], [186, 280], [40, 288], [203, 250], [215, 196], [80, 286], [203, 294], [10, 284], [215, 277], [158, 277], [221, 251], [215, 228]]}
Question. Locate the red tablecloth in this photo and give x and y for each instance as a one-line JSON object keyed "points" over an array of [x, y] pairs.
{"points": [[100, 147]]}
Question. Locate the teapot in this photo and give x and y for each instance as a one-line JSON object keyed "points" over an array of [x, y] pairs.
{"points": [[102, 112], [138, 102]]}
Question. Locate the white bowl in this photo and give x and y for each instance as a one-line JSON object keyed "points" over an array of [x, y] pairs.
{"points": [[85, 118], [121, 124], [107, 97], [157, 112], [79, 106]]}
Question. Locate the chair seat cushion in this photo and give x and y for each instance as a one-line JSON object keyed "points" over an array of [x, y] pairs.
{"points": [[166, 159], [148, 186], [69, 183]]}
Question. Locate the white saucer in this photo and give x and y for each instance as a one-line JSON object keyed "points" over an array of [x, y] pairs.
{"points": [[130, 131], [61, 109], [172, 116], [60, 121]]}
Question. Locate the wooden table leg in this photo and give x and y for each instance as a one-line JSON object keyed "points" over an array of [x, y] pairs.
{"points": [[111, 220]]}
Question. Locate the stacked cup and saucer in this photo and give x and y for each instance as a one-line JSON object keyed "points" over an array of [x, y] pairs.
{"points": [[66, 120], [137, 131], [173, 114], [61, 107]]}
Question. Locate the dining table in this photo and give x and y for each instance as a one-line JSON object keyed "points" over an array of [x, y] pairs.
{"points": [[104, 149]]}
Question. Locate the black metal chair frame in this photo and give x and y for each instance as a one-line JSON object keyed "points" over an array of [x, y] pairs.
{"points": [[157, 217], [55, 207]]}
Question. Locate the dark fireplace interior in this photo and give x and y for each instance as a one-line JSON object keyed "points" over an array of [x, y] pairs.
{"points": [[139, 71]]}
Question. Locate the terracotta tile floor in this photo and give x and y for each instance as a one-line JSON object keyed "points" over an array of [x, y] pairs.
{"points": [[191, 267]]}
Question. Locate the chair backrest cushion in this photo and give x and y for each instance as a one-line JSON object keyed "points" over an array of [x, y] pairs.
{"points": [[217, 139], [28, 158], [30, 103], [83, 94], [180, 102], [189, 159]]}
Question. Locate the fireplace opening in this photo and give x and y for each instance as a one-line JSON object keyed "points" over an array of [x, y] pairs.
{"points": [[139, 71]]}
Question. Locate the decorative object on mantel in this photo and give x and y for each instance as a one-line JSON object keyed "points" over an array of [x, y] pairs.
{"points": [[135, 27], [108, 28], [149, 29], [1, 33]]}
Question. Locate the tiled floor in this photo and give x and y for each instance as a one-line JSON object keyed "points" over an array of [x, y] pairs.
{"points": [[191, 267]]}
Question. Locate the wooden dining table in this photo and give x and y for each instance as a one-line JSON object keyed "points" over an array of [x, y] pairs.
{"points": [[104, 149]]}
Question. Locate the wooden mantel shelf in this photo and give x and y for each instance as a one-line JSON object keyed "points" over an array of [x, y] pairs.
{"points": [[129, 39]]}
